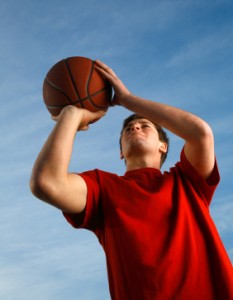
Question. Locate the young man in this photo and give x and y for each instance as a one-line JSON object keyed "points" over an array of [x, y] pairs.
{"points": [[159, 239]]}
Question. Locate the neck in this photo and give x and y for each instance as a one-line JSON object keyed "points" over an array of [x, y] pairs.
{"points": [[139, 163]]}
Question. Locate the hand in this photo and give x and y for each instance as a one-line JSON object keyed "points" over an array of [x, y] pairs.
{"points": [[119, 88], [82, 116]]}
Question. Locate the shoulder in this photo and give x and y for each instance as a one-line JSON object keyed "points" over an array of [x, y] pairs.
{"points": [[189, 177], [98, 176], [186, 167]]}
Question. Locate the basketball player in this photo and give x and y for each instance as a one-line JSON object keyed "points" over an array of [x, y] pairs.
{"points": [[155, 228]]}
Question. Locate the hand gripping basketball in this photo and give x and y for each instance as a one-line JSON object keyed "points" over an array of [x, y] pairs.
{"points": [[119, 88]]}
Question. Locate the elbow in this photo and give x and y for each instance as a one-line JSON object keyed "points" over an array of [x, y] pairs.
{"points": [[35, 186], [39, 186], [201, 132], [206, 133]]}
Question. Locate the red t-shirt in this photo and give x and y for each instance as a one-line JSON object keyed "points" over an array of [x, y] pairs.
{"points": [[159, 239]]}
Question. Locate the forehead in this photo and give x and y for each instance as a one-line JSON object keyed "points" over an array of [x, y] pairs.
{"points": [[140, 121]]}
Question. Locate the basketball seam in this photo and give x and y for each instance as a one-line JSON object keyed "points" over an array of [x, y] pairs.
{"points": [[89, 78], [95, 105], [87, 88], [72, 80], [58, 89], [81, 100]]}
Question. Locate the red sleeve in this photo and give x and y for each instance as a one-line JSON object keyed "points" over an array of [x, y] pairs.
{"points": [[89, 218], [205, 187]]}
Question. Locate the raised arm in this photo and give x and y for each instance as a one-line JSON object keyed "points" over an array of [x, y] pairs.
{"points": [[197, 134], [50, 179]]}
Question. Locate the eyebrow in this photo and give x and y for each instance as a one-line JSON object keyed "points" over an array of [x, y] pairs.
{"points": [[138, 121]]}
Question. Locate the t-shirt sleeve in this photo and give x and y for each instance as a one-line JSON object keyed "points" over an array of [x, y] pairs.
{"points": [[89, 218], [206, 187]]}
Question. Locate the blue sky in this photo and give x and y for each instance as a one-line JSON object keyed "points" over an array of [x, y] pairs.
{"points": [[178, 52]]}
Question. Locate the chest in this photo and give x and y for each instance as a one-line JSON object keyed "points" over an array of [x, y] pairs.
{"points": [[130, 202]]}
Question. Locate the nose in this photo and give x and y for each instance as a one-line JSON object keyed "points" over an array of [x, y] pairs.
{"points": [[135, 127]]}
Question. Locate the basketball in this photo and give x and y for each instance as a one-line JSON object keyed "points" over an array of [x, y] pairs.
{"points": [[75, 81]]}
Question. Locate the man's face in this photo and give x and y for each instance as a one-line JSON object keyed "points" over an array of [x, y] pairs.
{"points": [[139, 136]]}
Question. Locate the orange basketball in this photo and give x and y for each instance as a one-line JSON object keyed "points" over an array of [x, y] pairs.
{"points": [[75, 81]]}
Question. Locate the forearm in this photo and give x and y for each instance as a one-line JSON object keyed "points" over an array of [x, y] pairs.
{"points": [[54, 158], [197, 134], [180, 122], [50, 180]]}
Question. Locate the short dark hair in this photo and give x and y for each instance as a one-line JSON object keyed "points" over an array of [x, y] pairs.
{"points": [[161, 132]]}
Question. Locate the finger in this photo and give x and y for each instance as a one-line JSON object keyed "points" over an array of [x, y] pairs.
{"points": [[84, 128], [115, 101], [100, 65], [102, 72], [98, 115], [54, 118], [101, 113], [110, 77]]}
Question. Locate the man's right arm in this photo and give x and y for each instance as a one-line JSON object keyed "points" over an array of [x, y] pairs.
{"points": [[50, 179]]}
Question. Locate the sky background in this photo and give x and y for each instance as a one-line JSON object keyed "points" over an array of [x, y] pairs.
{"points": [[178, 52]]}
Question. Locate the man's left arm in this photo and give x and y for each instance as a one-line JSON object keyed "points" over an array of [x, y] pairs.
{"points": [[197, 134]]}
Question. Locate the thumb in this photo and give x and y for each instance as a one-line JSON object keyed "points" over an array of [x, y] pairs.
{"points": [[97, 115], [115, 101], [92, 118]]}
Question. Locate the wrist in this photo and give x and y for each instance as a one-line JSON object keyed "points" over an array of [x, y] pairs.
{"points": [[123, 99], [70, 110], [70, 115]]}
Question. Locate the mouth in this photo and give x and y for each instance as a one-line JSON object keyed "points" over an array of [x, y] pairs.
{"points": [[133, 134]]}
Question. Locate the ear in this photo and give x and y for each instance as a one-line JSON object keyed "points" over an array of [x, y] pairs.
{"points": [[121, 155], [163, 147]]}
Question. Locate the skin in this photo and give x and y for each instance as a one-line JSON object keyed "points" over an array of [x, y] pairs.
{"points": [[141, 146], [50, 179]]}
